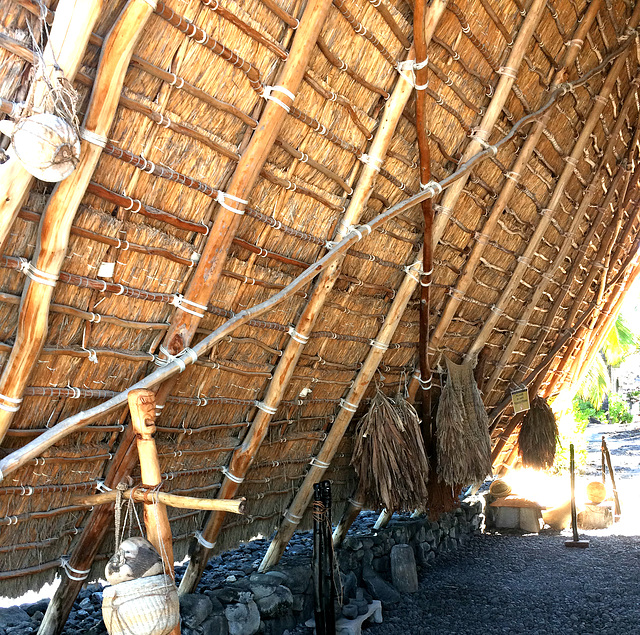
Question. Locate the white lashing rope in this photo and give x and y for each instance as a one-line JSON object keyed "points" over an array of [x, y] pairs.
{"points": [[268, 95], [221, 197], [411, 66], [231, 476], [37, 275], [186, 355], [297, 337], [77, 575], [188, 306], [13, 404], [94, 138], [316, 462], [203, 541], [348, 406], [260, 405]]}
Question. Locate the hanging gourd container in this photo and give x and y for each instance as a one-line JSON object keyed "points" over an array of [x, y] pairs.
{"points": [[142, 599], [46, 145]]}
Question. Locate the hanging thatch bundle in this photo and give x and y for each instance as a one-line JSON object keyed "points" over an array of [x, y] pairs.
{"points": [[463, 443], [538, 435], [389, 456]]}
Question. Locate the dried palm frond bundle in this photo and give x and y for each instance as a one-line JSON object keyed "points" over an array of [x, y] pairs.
{"points": [[538, 435], [389, 456], [462, 438]]}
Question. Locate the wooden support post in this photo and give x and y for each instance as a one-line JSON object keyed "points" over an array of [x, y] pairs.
{"points": [[65, 49], [383, 519], [243, 457], [531, 305], [58, 216], [571, 162], [602, 461], [353, 508], [209, 268], [509, 184], [612, 475], [566, 336], [349, 405], [142, 405]]}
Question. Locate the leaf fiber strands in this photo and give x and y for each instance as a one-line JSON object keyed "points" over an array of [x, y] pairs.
{"points": [[389, 456], [463, 443], [538, 435]]}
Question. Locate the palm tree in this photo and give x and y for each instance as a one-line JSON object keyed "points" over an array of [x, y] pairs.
{"points": [[620, 342]]}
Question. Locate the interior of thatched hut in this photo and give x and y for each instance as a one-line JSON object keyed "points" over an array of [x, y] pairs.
{"points": [[269, 264]]}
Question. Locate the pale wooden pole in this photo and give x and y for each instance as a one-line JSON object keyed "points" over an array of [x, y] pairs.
{"points": [[540, 288], [65, 49], [555, 309], [209, 268], [349, 405], [55, 225], [243, 456], [571, 162], [142, 406], [492, 113], [509, 184]]}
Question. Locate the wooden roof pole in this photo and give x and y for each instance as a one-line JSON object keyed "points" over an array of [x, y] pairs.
{"points": [[65, 49], [563, 338], [561, 370], [572, 161], [575, 267], [229, 213], [509, 184], [606, 326], [564, 374], [349, 405], [530, 306], [492, 113], [243, 457], [58, 216]]}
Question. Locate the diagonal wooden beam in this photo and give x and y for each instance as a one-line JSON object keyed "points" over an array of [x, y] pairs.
{"points": [[509, 185], [57, 218], [541, 286], [64, 51], [581, 254], [349, 405], [481, 134], [282, 374], [571, 162]]}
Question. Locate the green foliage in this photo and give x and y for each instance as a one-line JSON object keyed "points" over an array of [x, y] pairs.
{"points": [[619, 343], [618, 409]]}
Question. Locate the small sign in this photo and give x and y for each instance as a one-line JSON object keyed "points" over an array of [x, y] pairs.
{"points": [[520, 400], [106, 270]]}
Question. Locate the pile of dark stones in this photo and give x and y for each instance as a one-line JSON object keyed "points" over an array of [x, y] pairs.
{"points": [[234, 599]]}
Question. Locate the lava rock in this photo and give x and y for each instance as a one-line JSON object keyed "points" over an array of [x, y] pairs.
{"points": [[13, 616], [379, 588], [243, 618], [277, 603], [404, 574], [194, 609]]}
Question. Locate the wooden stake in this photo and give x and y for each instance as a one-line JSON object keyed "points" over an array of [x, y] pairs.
{"points": [[65, 49], [55, 225], [297, 508], [353, 508], [142, 406], [576, 542], [607, 456]]}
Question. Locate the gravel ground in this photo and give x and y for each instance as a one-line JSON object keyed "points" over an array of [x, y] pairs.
{"points": [[508, 583]]}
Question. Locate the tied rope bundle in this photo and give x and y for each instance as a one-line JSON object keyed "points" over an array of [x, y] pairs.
{"points": [[538, 435], [463, 441], [389, 455]]}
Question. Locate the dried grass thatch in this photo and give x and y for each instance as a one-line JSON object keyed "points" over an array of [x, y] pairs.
{"points": [[538, 435], [389, 456], [462, 437]]}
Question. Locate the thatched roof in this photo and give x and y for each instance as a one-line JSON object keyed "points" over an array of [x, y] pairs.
{"points": [[151, 228]]}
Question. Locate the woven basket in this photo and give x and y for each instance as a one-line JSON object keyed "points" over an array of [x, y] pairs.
{"points": [[596, 492], [144, 606], [500, 488]]}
